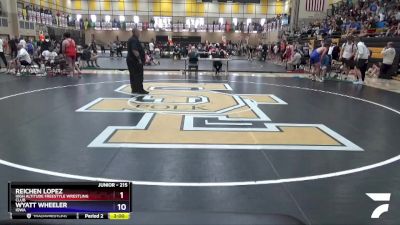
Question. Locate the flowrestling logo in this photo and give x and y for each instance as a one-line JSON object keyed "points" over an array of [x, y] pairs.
{"points": [[379, 197]]}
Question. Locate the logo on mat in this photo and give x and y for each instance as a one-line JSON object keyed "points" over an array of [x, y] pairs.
{"points": [[207, 116], [379, 197]]}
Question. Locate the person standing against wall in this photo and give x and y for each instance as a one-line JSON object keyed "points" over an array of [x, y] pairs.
{"points": [[2, 56], [135, 60]]}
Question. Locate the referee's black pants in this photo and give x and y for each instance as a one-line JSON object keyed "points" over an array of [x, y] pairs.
{"points": [[135, 74]]}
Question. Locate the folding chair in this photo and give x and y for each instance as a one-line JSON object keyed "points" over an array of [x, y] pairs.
{"points": [[193, 65], [336, 69]]}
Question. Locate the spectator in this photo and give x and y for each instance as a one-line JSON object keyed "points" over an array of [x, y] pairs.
{"points": [[36, 56], [151, 47], [93, 46], [57, 48], [69, 50], [247, 51], [361, 57], [294, 63], [347, 54], [389, 53], [394, 30], [335, 52], [157, 52], [149, 59], [373, 72], [22, 42], [363, 32], [365, 16], [276, 52], [49, 55], [113, 48], [193, 53], [103, 49], [23, 58], [119, 48], [89, 56], [217, 64], [86, 55], [306, 50], [30, 48], [176, 54], [46, 44], [287, 55], [13, 47], [264, 52], [2, 56]]}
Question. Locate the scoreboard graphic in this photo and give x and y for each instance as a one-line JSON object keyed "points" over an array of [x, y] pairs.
{"points": [[72, 200]]}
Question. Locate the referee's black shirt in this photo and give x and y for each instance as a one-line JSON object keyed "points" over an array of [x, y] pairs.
{"points": [[134, 44]]}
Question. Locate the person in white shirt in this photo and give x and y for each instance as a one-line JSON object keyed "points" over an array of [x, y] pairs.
{"points": [[296, 60], [347, 53], [331, 50], [361, 57], [49, 56], [22, 42], [397, 16], [2, 56], [389, 53], [23, 58], [151, 47], [276, 50]]}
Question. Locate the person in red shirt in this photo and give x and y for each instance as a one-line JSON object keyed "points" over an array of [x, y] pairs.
{"points": [[69, 50]]}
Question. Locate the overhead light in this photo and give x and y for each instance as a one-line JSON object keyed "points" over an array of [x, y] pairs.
{"points": [[93, 18], [122, 18], [108, 18]]}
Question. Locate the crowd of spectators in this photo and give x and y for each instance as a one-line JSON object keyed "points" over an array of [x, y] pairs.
{"points": [[364, 18], [58, 56]]}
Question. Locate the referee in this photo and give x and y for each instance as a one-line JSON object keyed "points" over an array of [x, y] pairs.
{"points": [[135, 60]]}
